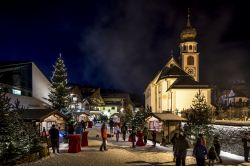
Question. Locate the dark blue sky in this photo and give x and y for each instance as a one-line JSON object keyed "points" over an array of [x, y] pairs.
{"points": [[122, 44]]}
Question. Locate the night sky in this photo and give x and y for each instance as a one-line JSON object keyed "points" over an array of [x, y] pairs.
{"points": [[122, 44]]}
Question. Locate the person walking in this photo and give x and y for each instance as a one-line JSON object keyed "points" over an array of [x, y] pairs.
{"points": [[200, 152], [104, 137], [145, 135], [246, 142], [54, 138], [181, 150], [111, 125], [124, 129], [117, 132], [154, 137], [217, 148], [173, 141], [133, 134]]}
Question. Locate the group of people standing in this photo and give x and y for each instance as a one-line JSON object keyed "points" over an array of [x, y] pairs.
{"points": [[116, 130], [200, 152]]}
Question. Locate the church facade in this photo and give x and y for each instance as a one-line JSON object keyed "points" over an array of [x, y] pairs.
{"points": [[175, 86]]}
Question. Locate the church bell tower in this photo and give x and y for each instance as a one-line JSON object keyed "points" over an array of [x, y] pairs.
{"points": [[188, 50]]}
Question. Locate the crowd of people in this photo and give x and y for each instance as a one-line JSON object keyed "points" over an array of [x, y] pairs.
{"points": [[201, 150]]}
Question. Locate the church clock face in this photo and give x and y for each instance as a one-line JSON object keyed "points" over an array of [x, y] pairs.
{"points": [[190, 71]]}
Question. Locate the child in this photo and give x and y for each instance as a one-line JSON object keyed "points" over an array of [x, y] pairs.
{"points": [[212, 156]]}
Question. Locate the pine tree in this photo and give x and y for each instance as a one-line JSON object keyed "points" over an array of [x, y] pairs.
{"points": [[15, 141], [59, 93], [140, 116], [199, 117]]}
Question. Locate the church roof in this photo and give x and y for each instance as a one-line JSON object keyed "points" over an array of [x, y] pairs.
{"points": [[186, 82], [172, 72]]}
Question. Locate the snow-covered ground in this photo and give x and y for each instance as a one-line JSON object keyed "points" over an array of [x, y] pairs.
{"points": [[120, 154]]}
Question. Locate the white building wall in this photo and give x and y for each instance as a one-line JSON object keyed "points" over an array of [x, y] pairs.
{"points": [[183, 97], [40, 85]]}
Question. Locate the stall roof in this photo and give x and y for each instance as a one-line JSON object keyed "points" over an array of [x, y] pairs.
{"points": [[39, 114], [167, 117]]}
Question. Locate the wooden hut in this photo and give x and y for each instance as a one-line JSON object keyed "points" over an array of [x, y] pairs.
{"points": [[166, 124], [44, 118]]}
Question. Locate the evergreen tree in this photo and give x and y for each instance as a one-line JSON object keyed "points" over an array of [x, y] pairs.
{"points": [[16, 137], [140, 116], [199, 117], [59, 93]]}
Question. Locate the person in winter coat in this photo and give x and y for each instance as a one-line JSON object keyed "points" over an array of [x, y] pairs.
{"points": [[145, 133], [154, 137], [246, 148], [133, 134], [117, 132], [181, 150], [200, 152], [212, 156], [217, 148], [124, 129], [54, 137], [173, 141], [104, 137]]}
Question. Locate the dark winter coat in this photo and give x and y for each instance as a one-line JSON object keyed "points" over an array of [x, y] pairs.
{"points": [[245, 139], [181, 145], [200, 151], [54, 133], [217, 146]]}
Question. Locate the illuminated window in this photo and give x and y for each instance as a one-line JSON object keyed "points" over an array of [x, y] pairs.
{"points": [[195, 48], [74, 98], [190, 60], [16, 92]]}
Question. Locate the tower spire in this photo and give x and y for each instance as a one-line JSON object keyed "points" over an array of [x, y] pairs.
{"points": [[172, 53], [188, 18]]}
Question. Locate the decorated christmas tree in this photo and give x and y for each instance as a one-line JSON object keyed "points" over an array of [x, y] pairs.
{"points": [[199, 117], [139, 118], [59, 93]]}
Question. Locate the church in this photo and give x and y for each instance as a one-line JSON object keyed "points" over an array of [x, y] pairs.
{"points": [[175, 86]]}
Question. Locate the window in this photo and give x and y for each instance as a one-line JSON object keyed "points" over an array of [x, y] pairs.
{"points": [[74, 98], [195, 48], [112, 108], [184, 48], [190, 47], [16, 92], [190, 60]]}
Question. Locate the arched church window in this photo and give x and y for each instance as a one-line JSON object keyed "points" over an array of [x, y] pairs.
{"points": [[195, 48], [190, 47], [190, 60], [184, 48]]}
